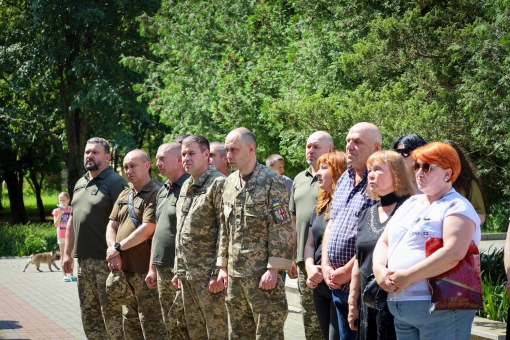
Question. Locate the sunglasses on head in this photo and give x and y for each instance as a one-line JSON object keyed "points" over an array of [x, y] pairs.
{"points": [[425, 167], [404, 152]]}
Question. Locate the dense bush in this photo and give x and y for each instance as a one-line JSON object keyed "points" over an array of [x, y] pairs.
{"points": [[26, 239], [495, 298]]}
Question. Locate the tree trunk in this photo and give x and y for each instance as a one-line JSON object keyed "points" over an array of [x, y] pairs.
{"points": [[14, 183], [37, 190]]}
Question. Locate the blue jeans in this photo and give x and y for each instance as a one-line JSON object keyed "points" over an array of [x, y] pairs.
{"points": [[342, 309], [414, 322]]}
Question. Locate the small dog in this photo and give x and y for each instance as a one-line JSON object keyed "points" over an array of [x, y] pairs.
{"points": [[49, 258]]}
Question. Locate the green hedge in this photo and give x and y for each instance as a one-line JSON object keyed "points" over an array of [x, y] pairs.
{"points": [[26, 239]]}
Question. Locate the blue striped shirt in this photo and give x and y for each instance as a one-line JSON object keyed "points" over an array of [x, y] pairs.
{"points": [[348, 202]]}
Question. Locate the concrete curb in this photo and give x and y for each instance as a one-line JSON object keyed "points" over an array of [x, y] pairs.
{"points": [[493, 236]]}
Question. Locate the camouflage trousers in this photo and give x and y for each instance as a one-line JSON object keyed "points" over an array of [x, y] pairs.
{"points": [[171, 303], [101, 318], [206, 314], [254, 313], [141, 320], [310, 321]]}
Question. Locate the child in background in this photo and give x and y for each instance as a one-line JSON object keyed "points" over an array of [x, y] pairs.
{"points": [[60, 217]]}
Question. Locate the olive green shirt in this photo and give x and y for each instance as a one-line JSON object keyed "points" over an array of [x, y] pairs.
{"points": [[166, 219], [135, 259], [303, 200], [198, 224], [256, 231], [475, 197], [92, 203]]}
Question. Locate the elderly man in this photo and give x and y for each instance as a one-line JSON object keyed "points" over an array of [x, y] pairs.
{"points": [[218, 158], [339, 242], [256, 241], [303, 199], [277, 164], [169, 163], [94, 196], [132, 223], [198, 224]]}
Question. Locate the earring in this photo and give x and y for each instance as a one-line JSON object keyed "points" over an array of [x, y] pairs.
{"points": [[446, 179]]}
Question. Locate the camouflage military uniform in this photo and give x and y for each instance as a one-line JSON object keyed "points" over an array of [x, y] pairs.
{"points": [[256, 234], [170, 299], [141, 319], [198, 220], [92, 203]]}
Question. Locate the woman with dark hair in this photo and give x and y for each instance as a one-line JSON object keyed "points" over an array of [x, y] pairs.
{"points": [[331, 166], [389, 184], [400, 264], [468, 184], [405, 145]]}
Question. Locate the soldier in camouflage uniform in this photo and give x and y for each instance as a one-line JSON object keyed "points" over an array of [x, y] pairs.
{"points": [[302, 205], [93, 199], [132, 223], [256, 240], [198, 220], [169, 163]]}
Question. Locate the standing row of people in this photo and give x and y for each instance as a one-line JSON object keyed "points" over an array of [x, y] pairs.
{"points": [[380, 199], [214, 247]]}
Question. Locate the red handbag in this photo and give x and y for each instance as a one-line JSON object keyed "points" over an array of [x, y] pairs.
{"points": [[461, 286]]}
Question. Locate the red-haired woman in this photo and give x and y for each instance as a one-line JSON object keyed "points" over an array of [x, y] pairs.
{"points": [[439, 212], [331, 166]]}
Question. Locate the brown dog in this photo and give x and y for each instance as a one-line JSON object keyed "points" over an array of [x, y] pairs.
{"points": [[49, 258]]}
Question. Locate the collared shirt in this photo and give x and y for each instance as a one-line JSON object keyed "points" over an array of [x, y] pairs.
{"points": [[135, 259], [256, 231], [93, 200], [303, 200], [166, 222], [348, 202], [198, 224]]}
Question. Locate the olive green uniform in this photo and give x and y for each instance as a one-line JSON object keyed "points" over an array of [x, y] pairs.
{"points": [[164, 257], [303, 200], [198, 224], [141, 319], [256, 234], [92, 203]]}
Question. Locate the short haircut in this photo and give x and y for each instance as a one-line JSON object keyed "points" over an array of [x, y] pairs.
{"points": [[247, 136], [410, 141], [401, 181], [272, 159], [144, 154], [173, 147], [102, 141], [202, 142], [182, 137], [467, 170], [440, 154], [221, 148]]}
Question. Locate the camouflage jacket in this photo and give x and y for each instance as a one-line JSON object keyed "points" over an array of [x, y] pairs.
{"points": [[256, 231], [198, 224]]}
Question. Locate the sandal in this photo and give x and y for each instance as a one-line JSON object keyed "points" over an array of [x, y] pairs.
{"points": [[74, 278], [66, 279]]}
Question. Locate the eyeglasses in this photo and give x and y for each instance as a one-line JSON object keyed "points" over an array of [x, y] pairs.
{"points": [[425, 167], [404, 152]]}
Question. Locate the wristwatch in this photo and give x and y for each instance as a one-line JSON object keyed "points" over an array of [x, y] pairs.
{"points": [[117, 247]]}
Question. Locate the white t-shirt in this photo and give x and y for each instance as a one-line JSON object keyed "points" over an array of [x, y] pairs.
{"points": [[424, 221]]}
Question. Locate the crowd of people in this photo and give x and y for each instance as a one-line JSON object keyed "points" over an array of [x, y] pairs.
{"points": [[204, 255]]}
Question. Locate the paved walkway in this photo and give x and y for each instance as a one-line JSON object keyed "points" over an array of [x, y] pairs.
{"points": [[36, 305]]}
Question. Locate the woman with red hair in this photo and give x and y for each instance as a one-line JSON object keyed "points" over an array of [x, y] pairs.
{"points": [[399, 262], [331, 166]]}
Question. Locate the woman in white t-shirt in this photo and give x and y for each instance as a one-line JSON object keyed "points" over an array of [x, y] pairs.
{"points": [[399, 262]]}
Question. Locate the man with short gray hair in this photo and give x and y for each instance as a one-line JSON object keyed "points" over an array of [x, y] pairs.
{"points": [[218, 158], [277, 164]]}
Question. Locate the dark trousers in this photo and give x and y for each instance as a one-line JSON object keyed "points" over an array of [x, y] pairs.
{"points": [[326, 312]]}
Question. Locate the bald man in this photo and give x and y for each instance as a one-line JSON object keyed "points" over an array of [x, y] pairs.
{"points": [[132, 223], [303, 199], [350, 199], [169, 163], [256, 241]]}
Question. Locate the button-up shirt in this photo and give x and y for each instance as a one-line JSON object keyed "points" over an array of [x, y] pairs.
{"points": [[348, 202]]}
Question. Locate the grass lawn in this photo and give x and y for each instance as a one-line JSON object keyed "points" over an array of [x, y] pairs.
{"points": [[49, 198]]}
